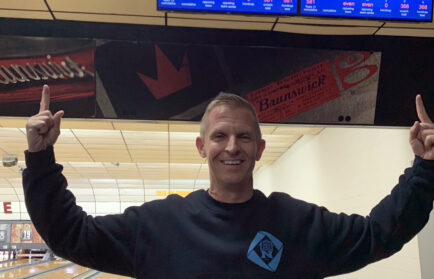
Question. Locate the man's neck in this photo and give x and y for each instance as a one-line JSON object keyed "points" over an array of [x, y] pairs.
{"points": [[230, 194]]}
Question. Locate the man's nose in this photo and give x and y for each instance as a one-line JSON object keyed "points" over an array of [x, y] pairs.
{"points": [[232, 145]]}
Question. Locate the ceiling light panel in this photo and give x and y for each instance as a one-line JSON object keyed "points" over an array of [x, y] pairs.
{"points": [[123, 171], [130, 183], [104, 183], [79, 183], [154, 171]]}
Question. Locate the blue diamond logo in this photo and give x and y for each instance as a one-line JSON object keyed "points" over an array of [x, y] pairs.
{"points": [[265, 250]]}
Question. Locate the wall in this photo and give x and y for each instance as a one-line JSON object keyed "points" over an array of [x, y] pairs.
{"points": [[348, 170], [426, 249]]}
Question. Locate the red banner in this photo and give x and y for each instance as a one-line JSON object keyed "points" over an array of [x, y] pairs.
{"points": [[70, 76], [295, 94]]}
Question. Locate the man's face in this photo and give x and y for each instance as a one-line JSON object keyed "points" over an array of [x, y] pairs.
{"points": [[230, 145]]}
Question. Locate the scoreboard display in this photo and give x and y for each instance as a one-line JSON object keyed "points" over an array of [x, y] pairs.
{"points": [[415, 10], [278, 7], [399, 10]]}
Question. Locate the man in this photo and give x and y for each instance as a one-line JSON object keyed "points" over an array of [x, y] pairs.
{"points": [[231, 230]]}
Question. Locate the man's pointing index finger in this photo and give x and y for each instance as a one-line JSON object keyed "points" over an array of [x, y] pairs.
{"points": [[45, 99], [421, 112]]}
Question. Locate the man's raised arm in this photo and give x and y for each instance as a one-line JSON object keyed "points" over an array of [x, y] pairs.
{"points": [[106, 243]]}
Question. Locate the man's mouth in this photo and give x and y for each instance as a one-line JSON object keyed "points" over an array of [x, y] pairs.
{"points": [[231, 162]]}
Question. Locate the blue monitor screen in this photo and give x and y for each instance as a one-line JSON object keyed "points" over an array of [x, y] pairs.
{"points": [[278, 7], [415, 10]]}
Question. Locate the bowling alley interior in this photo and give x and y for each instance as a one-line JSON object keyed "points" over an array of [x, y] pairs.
{"points": [[344, 152]]}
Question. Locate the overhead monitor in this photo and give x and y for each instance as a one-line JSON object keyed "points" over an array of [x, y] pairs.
{"points": [[405, 10], [264, 7]]}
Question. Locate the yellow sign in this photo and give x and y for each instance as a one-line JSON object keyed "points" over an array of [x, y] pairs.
{"points": [[163, 193]]}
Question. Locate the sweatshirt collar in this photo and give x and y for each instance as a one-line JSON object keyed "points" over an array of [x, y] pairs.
{"points": [[222, 207]]}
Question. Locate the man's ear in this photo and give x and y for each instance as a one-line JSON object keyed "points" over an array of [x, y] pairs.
{"points": [[260, 149], [200, 147]]}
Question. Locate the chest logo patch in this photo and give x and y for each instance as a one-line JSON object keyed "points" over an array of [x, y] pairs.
{"points": [[265, 250]]}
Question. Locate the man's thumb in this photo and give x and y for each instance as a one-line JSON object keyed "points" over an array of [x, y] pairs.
{"points": [[57, 117]]}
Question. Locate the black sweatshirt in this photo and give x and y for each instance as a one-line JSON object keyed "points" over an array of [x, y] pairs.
{"points": [[199, 237]]}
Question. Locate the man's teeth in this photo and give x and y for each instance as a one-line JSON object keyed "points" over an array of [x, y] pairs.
{"points": [[232, 162]]}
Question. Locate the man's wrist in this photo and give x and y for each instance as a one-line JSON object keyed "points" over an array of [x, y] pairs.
{"points": [[36, 149], [41, 158]]}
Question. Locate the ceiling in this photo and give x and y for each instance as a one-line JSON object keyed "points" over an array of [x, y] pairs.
{"points": [[109, 161], [145, 12], [103, 149]]}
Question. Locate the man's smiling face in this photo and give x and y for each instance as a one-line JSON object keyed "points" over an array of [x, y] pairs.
{"points": [[231, 146]]}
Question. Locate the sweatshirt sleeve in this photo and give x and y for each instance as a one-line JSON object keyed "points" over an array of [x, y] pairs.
{"points": [[354, 241], [105, 243]]}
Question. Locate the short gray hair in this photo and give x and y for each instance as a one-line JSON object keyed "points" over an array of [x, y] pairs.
{"points": [[232, 101]]}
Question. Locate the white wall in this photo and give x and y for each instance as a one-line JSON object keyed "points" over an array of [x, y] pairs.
{"points": [[347, 170], [426, 249]]}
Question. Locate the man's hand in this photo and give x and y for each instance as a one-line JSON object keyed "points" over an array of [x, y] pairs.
{"points": [[43, 129], [422, 133]]}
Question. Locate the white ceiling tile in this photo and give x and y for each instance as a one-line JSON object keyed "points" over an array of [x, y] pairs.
{"points": [[131, 192], [329, 21], [84, 198], [411, 25], [106, 191], [410, 32], [25, 14], [141, 126], [6, 191], [108, 183], [82, 191], [79, 183], [154, 184], [139, 199], [86, 124]]}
